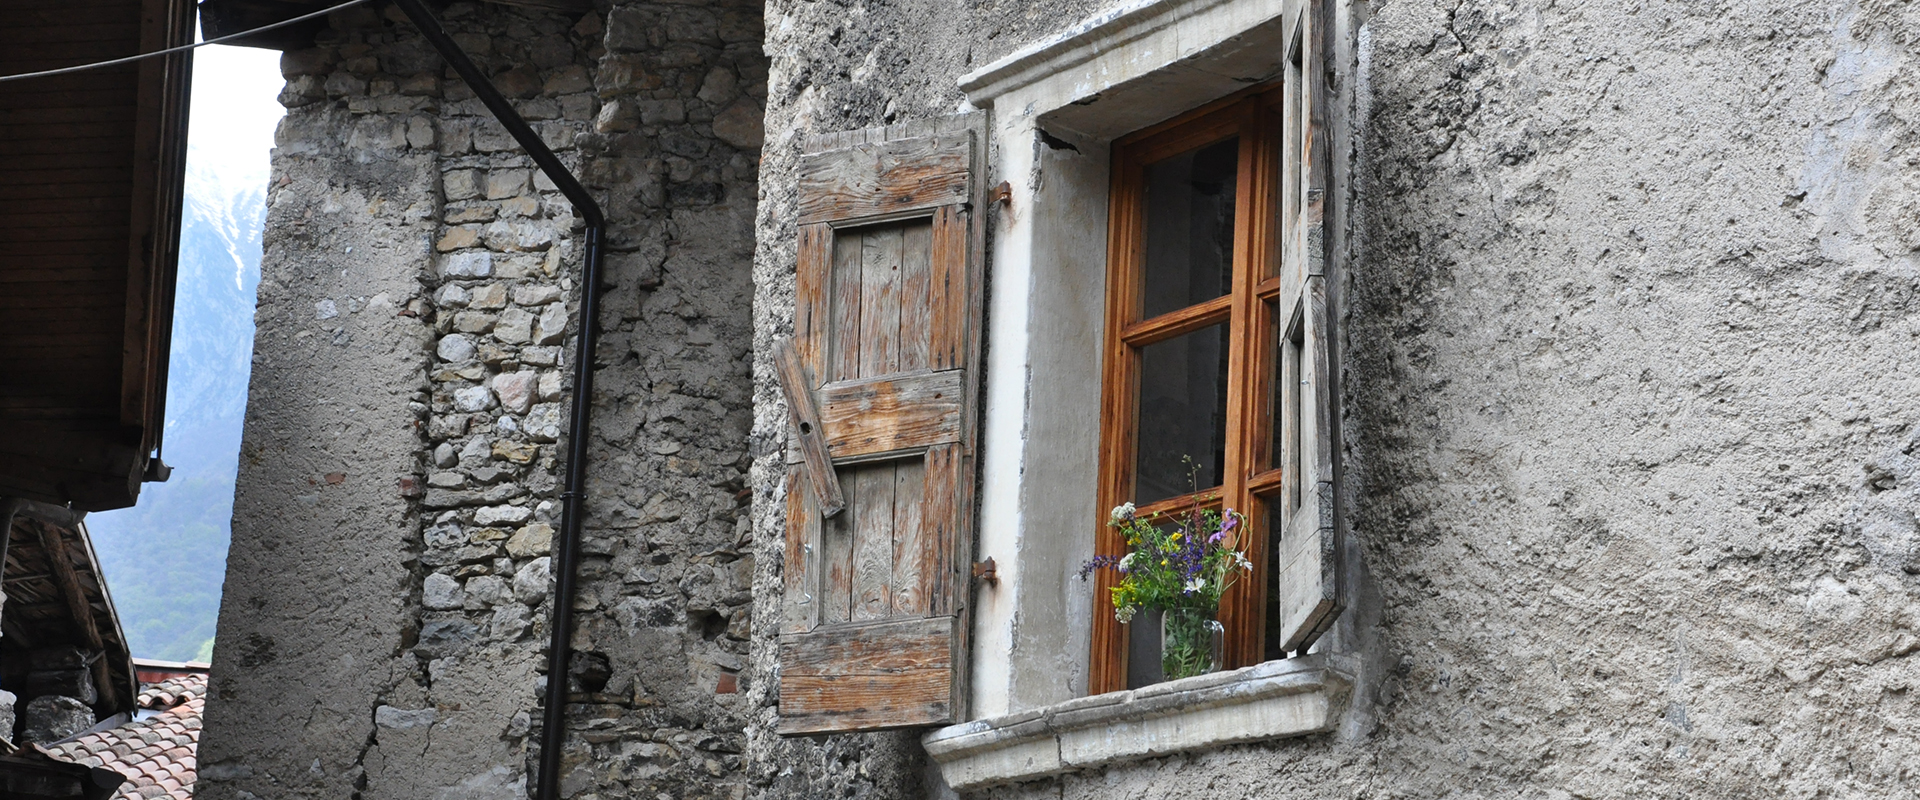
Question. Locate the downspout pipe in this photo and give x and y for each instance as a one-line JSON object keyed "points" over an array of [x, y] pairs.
{"points": [[566, 551]]}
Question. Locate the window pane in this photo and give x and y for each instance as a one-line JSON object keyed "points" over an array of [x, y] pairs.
{"points": [[1189, 216], [1183, 415]]}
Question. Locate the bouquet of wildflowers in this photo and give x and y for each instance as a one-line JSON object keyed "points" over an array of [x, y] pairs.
{"points": [[1183, 560]]}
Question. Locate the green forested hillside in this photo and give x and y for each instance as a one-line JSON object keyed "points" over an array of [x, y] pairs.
{"points": [[165, 559]]}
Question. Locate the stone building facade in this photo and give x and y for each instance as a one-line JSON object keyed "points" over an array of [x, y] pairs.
{"points": [[1625, 298]]}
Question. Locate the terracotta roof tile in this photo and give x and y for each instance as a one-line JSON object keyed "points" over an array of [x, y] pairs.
{"points": [[157, 753]]}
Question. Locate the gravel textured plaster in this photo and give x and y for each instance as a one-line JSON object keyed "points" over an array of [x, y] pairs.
{"points": [[1630, 428]]}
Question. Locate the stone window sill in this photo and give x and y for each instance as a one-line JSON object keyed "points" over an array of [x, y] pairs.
{"points": [[1273, 700]]}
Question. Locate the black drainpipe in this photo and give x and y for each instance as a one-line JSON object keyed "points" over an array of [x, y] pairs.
{"points": [[566, 552]]}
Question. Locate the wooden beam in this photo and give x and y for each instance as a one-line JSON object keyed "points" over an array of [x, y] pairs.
{"points": [[68, 579]]}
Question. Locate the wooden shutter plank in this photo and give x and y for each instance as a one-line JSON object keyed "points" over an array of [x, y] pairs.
{"points": [[870, 677], [822, 703], [878, 179], [797, 385], [811, 313], [900, 645], [911, 561], [873, 540], [1308, 562], [843, 357], [950, 326], [880, 301], [836, 554], [916, 311], [1304, 575], [878, 416], [947, 545], [801, 572]]}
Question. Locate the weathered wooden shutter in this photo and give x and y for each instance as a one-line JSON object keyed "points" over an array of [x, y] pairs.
{"points": [[1308, 575], [881, 380]]}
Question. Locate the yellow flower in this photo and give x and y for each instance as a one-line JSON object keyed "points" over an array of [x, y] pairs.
{"points": [[1176, 536], [1163, 562]]}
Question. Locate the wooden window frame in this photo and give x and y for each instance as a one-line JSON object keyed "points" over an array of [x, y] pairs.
{"points": [[1250, 477]]}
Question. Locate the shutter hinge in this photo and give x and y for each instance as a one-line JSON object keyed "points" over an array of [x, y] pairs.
{"points": [[986, 571], [1001, 194]]}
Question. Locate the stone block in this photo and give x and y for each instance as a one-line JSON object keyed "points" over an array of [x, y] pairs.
{"points": [[473, 398], [441, 592], [473, 322], [552, 327], [632, 29], [420, 133], [490, 296], [718, 86], [518, 236], [50, 718], [455, 348], [568, 80], [460, 184], [486, 591], [530, 582], [515, 390], [535, 539], [494, 515], [535, 294], [543, 423], [451, 295], [515, 327], [519, 207], [457, 238], [505, 183], [741, 125]]}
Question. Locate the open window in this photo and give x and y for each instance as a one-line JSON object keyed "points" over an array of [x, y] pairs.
{"points": [[1216, 385]]}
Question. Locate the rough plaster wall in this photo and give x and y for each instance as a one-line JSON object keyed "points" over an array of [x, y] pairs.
{"points": [[386, 610], [1630, 410], [351, 216], [839, 66]]}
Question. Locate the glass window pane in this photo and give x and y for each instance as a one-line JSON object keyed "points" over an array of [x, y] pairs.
{"points": [[1189, 227], [1183, 415]]}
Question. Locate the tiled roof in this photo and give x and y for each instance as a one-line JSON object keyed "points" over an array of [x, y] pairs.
{"points": [[157, 754], [172, 691]]}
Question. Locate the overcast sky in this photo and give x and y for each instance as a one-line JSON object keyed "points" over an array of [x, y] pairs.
{"points": [[234, 112]]}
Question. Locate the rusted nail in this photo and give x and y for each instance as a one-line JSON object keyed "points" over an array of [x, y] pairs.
{"points": [[1001, 194]]}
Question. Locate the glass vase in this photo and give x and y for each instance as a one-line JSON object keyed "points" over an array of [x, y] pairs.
{"points": [[1190, 642]]}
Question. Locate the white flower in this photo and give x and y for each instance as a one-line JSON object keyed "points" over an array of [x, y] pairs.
{"points": [[1124, 614], [1241, 560], [1122, 512], [1196, 584], [1127, 561]]}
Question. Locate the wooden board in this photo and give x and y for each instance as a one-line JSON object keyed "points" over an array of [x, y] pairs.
{"points": [[886, 178], [880, 416], [804, 415], [890, 674]]}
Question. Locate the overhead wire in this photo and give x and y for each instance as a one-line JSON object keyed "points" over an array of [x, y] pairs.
{"points": [[182, 48]]}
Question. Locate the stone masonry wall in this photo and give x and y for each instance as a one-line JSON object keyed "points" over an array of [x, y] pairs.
{"points": [[384, 623]]}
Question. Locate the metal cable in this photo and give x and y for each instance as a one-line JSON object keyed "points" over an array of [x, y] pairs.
{"points": [[182, 48]]}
